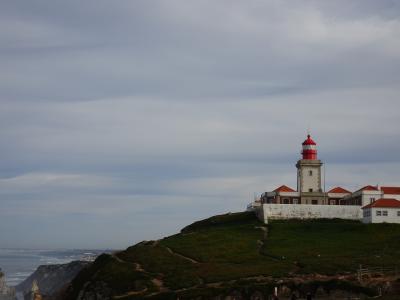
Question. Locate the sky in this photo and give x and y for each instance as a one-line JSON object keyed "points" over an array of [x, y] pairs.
{"points": [[123, 121]]}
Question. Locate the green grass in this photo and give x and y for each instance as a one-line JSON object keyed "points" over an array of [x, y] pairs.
{"points": [[233, 242], [177, 272], [121, 276], [227, 247], [334, 246], [233, 247], [224, 251]]}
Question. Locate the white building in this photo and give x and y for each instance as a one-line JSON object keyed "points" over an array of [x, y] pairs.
{"points": [[282, 195], [363, 196], [309, 187], [311, 201], [391, 192], [368, 194], [382, 211], [336, 194]]}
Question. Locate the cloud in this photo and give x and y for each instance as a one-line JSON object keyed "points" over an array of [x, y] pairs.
{"points": [[158, 114]]}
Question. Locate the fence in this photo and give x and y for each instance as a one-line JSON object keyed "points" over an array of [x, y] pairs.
{"points": [[377, 271]]}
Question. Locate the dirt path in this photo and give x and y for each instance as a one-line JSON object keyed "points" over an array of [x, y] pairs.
{"points": [[264, 229], [158, 283], [130, 294], [182, 256], [114, 255], [138, 267]]}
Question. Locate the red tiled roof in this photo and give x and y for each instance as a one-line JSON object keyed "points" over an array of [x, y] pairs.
{"points": [[284, 188], [339, 190], [368, 188], [394, 190], [384, 203]]}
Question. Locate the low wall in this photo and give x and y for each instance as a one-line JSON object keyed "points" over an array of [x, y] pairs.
{"points": [[305, 211]]}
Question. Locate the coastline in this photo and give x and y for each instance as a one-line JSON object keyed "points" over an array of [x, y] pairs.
{"points": [[19, 264]]}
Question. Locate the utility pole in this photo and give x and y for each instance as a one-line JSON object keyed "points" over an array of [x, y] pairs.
{"points": [[325, 183]]}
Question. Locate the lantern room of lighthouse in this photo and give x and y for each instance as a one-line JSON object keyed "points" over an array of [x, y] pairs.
{"points": [[309, 170]]}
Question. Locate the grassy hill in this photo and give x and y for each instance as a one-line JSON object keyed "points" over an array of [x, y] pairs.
{"points": [[236, 251]]}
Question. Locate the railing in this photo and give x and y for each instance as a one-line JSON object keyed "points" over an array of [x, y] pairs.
{"points": [[376, 271]]}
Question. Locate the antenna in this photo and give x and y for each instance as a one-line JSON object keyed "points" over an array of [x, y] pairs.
{"points": [[325, 182]]}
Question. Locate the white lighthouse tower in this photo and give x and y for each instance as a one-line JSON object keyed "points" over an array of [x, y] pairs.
{"points": [[309, 174]]}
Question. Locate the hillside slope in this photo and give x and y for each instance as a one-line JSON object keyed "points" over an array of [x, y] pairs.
{"points": [[235, 253]]}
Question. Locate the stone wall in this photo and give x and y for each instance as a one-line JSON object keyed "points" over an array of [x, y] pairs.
{"points": [[304, 211]]}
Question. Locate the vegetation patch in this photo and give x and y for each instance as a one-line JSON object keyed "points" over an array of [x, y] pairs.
{"points": [[230, 252], [176, 272], [221, 220], [119, 276], [334, 246]]}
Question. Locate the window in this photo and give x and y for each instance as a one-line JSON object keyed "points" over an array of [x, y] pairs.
{"points": [[378, 213], [310, 172], [285, 201], [332, 202], [398, 213], [371, 200], [310, 190], [384, 213], [296, 201], [314, 202]]}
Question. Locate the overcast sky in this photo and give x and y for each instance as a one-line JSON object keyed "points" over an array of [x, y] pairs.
{"points": [[126, 120]]}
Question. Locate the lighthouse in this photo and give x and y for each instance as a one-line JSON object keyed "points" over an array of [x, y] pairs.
{"points": [[309, 151], [309, 173], [310, 201], [309, 178]]}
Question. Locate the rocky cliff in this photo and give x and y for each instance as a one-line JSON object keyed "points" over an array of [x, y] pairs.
{"points": [[50, 279], [6, 292]]}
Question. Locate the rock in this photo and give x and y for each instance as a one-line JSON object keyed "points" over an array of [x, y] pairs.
{"points": [[95, 291], [6, 292], [34, 294], [257, 296], [50, 279]]}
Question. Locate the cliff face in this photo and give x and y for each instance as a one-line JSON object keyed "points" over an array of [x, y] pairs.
{"points": [[6, 292], [50, 279]]}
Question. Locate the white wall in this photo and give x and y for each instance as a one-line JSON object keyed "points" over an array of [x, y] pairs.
{"points": [[390, 218], [367, 195], [367, 217], [289, 194], [311, 181], [305, 211], [337, 195]]}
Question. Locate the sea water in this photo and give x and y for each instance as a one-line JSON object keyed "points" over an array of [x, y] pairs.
{"points": [[18, 264]]}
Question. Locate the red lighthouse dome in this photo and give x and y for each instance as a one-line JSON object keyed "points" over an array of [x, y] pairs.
{"points": [[309, 149]]}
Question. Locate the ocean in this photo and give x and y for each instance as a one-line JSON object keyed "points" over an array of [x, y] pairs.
{"points": [[18, 264]]}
